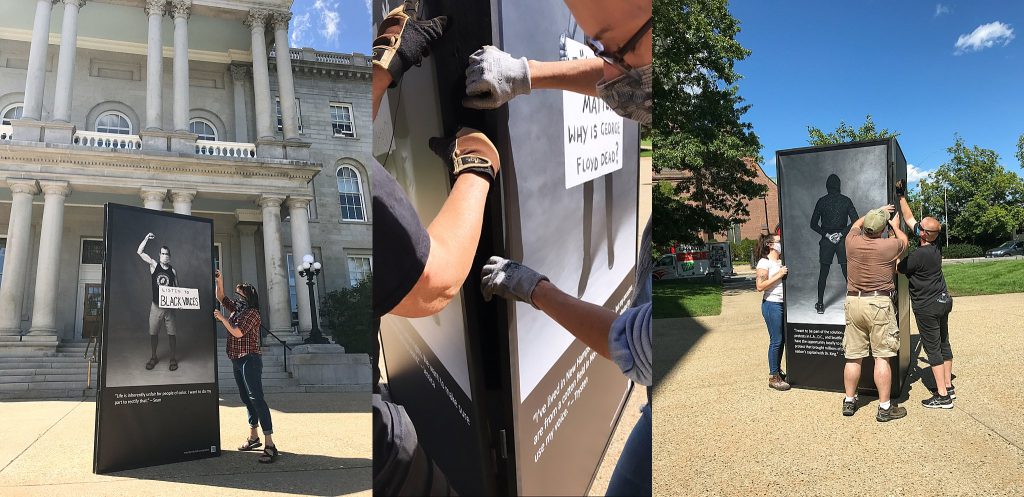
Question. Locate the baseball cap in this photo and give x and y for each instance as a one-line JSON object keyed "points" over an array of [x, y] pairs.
{"points": [[875, 221]]}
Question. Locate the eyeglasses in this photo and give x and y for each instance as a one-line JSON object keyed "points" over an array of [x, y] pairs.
{"points": [[616, 58]]}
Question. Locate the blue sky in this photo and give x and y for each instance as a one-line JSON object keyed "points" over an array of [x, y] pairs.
{"points": [[334, 25], [925, 69]]}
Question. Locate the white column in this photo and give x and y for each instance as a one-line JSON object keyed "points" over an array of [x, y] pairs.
{"points": [[153, 197], [44, 307], [285, 84], [265, 115], [238, 76], [66, 62], [298, 211], [19, 230], [247, 240], [182, 200], [155, 10], [35, 78], [278, 306], [180, 10]]}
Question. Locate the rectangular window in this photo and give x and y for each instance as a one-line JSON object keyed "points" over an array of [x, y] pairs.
{"points": [[298, 114], [216, 256], [293, 299], [341, 120], [359, 268], [92, 251]]}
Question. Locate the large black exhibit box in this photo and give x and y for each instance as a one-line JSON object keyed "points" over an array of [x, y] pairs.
{"points": [[504, 399], [822, 191], [158, 282]]}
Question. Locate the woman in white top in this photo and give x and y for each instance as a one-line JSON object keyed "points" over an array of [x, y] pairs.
{"points": [[770, 272]]}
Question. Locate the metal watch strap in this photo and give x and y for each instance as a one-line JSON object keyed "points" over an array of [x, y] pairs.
{"points": [[472, 164]]}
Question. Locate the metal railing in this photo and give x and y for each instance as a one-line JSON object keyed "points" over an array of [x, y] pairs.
{"points": [[282, 342], [107, 140], [225, 149], [93, 343]]}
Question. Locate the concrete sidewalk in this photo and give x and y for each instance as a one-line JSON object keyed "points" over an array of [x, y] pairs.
{"points": [[719, 429], [324, 439]]}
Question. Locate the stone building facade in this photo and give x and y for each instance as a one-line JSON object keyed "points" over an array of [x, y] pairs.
{"points": [[192, 106]]}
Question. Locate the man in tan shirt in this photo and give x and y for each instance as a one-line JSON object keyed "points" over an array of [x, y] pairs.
{"points": [[870, 315]]}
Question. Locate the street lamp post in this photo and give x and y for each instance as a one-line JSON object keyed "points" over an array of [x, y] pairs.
{"points": [[309, 269]]}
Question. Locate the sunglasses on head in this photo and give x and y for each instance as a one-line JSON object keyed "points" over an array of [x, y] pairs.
{"points": [[616, 58]]}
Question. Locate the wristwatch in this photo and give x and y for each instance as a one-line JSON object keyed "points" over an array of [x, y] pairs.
{"points": [[472, 164]]}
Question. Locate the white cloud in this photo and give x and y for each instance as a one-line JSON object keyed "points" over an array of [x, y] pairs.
{"points": [[914, 174], [984, 36], [369, 9], [941, 9], [329, 18], [300, 25]]}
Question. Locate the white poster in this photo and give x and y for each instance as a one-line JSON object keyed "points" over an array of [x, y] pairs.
{"points": [[592, 131], [172, 297]]}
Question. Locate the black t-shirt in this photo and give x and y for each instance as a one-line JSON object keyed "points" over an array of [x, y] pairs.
{"points": [[162, 277], [923, 268], [400, 242]]}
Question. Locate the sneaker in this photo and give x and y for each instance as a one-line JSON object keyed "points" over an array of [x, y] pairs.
{"points": [[849, 406], [950, 391], [938, 402], [776, 382], [820, 308], [893, 412]]}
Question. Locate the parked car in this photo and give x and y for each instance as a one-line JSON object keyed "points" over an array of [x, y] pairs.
{"points": [[1012, 247]]}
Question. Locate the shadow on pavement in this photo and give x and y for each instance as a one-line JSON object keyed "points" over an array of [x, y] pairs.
{"points": [[672, 340], [291, 473]]}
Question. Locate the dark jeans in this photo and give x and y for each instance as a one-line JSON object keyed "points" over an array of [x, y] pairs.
{"points": [[632, 475], [933, 325], [248, 371], [772, 312]]}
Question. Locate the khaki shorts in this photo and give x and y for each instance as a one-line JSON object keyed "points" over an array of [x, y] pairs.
{"points": [[870, 325]]}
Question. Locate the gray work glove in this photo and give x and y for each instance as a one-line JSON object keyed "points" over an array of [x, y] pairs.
{"points": [[509, 280], [493, 78]]}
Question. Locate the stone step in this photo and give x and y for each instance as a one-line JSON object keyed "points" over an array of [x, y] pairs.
{"points": [[30, 372], [42, 385], [229, 376], [304, 389], [48, 394]]}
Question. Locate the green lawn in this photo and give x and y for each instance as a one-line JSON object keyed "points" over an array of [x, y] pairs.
{"points": [[985, 278], [645, 148], [686, 298]]}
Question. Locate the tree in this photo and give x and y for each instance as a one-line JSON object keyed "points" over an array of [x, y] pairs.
{"points": [[984, 200], [845, 133], [346, 314], [1020, 150], [698, 128]]}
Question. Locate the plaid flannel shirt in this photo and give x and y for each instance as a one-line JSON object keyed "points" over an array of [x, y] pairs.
{"points": [[249, 322]]}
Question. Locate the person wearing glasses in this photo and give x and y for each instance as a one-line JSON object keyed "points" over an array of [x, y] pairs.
{"points": [[930, 299], [620, 36]]}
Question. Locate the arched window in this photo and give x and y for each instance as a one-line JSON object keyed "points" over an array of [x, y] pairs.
{"points": [[350, 191], [12, 111], [205, 129], [114, 122]]}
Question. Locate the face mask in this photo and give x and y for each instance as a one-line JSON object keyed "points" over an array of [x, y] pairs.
{"points": [[240, 304], [777, 247], [629, 97]]}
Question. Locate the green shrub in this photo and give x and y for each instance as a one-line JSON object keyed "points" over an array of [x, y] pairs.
{"points": [[962, 251], [742, 251], [347, 317]]}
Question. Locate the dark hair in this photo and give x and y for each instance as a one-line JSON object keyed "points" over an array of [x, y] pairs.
{"points": [[252, 297], [762, 249], [168, 249]]}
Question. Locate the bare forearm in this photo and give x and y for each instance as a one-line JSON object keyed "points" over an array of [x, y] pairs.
{"points": [[580, 76], [908, 215], [454, 235], [588, 322], [381, 81]]}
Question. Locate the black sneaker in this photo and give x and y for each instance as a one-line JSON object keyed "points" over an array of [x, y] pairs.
{"points": [[893, 412], [820, 308], [950, 391], [938, 402], [849, 406]]}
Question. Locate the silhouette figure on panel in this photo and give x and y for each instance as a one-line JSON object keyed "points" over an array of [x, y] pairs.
{"points": [[832, 218]]}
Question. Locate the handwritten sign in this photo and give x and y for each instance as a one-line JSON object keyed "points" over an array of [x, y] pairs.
{"points": [[592, 131], [172, 297]]}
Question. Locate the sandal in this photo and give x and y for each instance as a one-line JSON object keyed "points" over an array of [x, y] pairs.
{"points": [[250, 444], [152, 362], [269, 454], [174, 365]]}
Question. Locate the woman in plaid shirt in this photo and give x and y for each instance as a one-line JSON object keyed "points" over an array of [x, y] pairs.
{"points": [[243, 347]]}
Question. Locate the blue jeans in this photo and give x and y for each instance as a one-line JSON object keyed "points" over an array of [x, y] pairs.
{"points": [[772, 312], [248, 371], [632, 475]]}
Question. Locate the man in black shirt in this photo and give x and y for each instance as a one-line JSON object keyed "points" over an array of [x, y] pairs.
{"points": [[162, 274], [832, 218], [931, 302]]}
